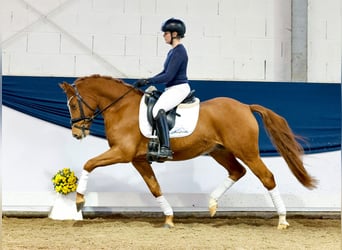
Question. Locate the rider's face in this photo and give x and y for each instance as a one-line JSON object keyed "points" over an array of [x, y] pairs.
{"points": [[167, 37]]}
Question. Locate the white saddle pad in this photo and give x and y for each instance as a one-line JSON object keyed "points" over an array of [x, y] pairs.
{"points": [[184, 125]]}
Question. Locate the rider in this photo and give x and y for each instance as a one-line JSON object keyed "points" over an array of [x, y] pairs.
{"points": [[174, 76]]}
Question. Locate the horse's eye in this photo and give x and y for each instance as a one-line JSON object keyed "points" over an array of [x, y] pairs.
{"points": [[73, 107]]}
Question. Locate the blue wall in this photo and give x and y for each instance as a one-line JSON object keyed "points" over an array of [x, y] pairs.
{"points": [[313, 110]]}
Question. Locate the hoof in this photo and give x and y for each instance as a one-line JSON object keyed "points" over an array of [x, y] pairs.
{"points": [[169, 222], [212, 207], [79, 206], [212, 210], [79, 201], [283, 226], [168, 226]]}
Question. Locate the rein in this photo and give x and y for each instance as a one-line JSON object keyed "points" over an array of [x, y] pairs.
{"points": [[80, 100]]}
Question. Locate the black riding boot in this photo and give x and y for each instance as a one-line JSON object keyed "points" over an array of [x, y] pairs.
{"points": [[162, 129]]}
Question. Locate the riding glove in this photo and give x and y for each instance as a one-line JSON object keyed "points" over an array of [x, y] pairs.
{"points": [[141, 82]]}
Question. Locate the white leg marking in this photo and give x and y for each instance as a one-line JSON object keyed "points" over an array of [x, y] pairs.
{"points": [[164, 205], [220, 190], [217, 193], [83, 181], [279, 205], [277, 201]]}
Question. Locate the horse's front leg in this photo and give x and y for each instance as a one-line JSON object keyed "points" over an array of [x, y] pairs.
{"points": [[109, 157], [146, 171]]}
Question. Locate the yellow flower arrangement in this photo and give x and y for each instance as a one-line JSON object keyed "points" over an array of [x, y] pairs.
{"points": [[65, 181]]}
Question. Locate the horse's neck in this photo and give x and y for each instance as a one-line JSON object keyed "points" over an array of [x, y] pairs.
{"points": [[111, 90], [114, 95], [123, 113]]}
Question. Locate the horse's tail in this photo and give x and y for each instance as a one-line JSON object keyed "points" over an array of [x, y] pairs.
{"points": [[285, 141]]}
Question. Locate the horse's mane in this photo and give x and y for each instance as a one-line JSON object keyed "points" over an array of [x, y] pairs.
{"points": [[80, 79], [112, 79]]}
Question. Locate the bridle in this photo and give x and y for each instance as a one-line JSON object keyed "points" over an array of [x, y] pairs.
{"points": [[96, 112]]}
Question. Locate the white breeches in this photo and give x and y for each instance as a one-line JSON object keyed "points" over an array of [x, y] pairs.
{"points": [[171, 97]]}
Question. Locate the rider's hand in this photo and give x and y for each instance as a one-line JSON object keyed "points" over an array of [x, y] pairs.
{"points": [[141, 82]]}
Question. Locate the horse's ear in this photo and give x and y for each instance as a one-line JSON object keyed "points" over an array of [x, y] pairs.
{"points": [[64, 86]]}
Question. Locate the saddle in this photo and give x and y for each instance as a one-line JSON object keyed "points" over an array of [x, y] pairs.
{"points": [[152, 96]]}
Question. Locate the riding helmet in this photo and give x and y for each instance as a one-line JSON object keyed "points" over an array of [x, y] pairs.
{"points": [[174, 25]]}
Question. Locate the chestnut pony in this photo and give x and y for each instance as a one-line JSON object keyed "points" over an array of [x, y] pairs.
{"points": [[226, 130]]}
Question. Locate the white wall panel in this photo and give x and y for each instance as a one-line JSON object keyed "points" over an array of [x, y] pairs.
{"points": [[195, 26], [124, 24], [150, 66], [218, 26], [82, 44], [201, 66], [212, 46], [262, 49], [195, 46], [43, 43], [172, 8], [19, 45], [133, 45], [79, 6], [228, 47], [252, 27], [334, 71], [69, 19], [6, 61], [135, 6], [87, 65], [325, 50], [5, 20], [128, 64], [324, 39], [150, 25], [14, 15], [140, 7], [66, 65], [93, 22], [106, 44], [45, 6], [149, 46], [27, 64], [253, 69], [325, 71], [114, 6], [205, 9], [186, 184], [41, 63], [242, 48], [245, 32]]}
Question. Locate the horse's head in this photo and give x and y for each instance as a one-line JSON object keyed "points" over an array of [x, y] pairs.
{"points": [[81, 108]]}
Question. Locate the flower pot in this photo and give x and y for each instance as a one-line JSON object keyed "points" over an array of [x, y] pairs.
{"points": [[64, 208]]}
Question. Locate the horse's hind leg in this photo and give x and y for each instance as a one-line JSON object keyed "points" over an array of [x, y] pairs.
{"points": [[266, 177], [235, 170], [146, 171]]}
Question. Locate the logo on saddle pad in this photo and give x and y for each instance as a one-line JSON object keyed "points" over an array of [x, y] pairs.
{"points": [[182, 120]]}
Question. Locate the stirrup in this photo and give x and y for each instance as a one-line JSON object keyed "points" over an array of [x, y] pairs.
{"points": [[165, 153]]}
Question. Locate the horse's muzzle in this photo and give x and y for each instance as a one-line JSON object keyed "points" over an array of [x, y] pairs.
{"points": [[78, 136], [80, 132]]}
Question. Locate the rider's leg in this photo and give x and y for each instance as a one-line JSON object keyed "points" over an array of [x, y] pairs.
{"points": [[163, 135], [170, 98]]}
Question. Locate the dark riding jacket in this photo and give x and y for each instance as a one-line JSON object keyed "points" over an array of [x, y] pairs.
{"points": [[175, 68]]}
